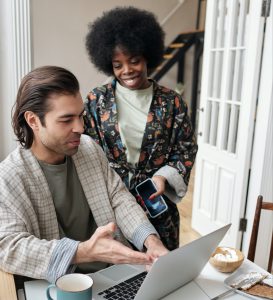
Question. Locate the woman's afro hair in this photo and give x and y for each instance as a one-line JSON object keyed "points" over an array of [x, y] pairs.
{"points": [[134, 30]]}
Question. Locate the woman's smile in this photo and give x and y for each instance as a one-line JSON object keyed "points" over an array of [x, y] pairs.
{"points": [[130, 70]]}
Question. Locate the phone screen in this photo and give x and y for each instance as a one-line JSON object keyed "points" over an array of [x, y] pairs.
{"points": [[154, 206]]}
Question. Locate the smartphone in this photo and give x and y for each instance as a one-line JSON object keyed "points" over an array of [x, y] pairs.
{"points": [[155, 206]]}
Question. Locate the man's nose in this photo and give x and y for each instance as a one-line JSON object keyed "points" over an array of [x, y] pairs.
{"points": [[78, 126]]}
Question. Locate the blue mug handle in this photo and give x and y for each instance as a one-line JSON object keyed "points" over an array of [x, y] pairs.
{"points": [[48, 291]]}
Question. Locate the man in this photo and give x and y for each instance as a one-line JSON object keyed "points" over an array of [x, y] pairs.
{"points": [[61, 206]]}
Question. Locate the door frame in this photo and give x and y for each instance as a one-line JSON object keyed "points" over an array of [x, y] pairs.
{"points": [[261, 175]]}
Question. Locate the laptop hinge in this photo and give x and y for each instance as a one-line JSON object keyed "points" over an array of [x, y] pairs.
{"points": [[243, 224]]}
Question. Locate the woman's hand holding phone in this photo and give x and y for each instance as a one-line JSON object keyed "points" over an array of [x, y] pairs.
{"points": [[160, 183], [155, 205]]}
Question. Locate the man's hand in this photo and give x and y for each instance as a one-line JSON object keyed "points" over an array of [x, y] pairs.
{"points": [[102, 247], [159, 182], [155, 248]]}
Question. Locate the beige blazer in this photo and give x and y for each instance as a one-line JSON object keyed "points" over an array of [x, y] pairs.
{"points": [[28, 223]]}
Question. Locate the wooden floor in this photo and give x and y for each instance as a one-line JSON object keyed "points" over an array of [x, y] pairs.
{"points": [[187, 234]]}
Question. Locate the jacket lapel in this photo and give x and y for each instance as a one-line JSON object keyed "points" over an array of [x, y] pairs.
{"points": [[110, 127], [43, 203], [91, 177]]}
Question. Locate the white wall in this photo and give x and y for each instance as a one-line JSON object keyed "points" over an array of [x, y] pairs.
{"points": [[58, 30]]}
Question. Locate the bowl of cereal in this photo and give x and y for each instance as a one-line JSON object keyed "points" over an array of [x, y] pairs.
{"points": [[226, 259]]}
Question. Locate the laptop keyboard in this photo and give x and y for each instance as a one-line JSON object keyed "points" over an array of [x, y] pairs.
{"points": [[125, 290]]}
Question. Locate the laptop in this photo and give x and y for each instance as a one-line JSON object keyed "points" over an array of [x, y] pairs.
{"points": [[168, 273]]}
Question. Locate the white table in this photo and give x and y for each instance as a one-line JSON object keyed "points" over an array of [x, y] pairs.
{"points": [[210, 281]]}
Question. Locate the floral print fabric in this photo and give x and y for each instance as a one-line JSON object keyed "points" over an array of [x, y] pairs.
{"points": [[168, 140]]}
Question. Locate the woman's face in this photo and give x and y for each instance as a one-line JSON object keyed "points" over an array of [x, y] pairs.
{"points": [[130, 70]]}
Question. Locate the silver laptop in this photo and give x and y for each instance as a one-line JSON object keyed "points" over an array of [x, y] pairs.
{"points": [[168, 273]]}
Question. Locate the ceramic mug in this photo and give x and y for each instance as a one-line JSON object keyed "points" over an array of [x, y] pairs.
{"points": [[72, 287]]}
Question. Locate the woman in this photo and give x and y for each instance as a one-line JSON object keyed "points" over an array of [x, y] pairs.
{"points": [[142, 127]]}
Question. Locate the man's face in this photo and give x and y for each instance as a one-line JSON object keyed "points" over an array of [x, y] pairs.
{"points": [[63, 126]]}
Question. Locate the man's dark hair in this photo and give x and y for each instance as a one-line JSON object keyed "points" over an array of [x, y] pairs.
{"points": [[134, 30], [35, 89]]}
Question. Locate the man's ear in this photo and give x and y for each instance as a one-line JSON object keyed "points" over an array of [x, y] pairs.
{"points": [[32, 119]]}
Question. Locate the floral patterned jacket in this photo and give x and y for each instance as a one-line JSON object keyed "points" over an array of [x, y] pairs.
{"points": [[168, 137]]}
